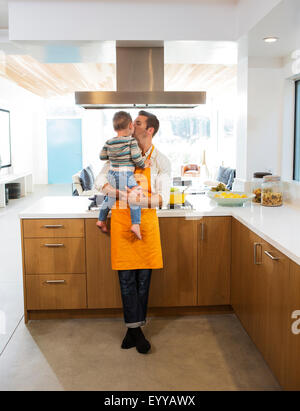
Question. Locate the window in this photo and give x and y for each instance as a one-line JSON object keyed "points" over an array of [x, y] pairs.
{"points": [[297, 134], [184, 134]]}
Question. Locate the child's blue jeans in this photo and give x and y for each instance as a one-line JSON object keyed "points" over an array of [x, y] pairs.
{"points": [[118, 180]]}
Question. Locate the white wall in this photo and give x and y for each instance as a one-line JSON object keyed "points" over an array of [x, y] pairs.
{"points": [[92, 138], [265, 109], [28, 129], [131, 20], [120, 19], [249, 12]]}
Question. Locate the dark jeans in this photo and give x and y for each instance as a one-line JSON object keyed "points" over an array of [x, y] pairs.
{"points": [[135, 291]]}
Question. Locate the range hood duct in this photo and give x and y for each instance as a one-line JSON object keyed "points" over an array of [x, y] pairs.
{"points": [[140, 83]]}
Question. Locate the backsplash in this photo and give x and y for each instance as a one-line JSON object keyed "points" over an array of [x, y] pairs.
{"points": [[292, 193], [291, 190]]}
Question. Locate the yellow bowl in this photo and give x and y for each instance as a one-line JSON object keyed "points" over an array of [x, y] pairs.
{"points": [[177, 198]]}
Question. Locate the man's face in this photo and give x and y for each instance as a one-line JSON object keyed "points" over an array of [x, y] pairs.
{"points": [[140, 127]]}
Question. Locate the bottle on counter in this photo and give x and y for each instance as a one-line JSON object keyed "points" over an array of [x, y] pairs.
{"points": [[256, 184], [272, 191]]}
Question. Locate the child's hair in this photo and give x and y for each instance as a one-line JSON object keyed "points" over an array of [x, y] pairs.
{"points": [[121, 120]]}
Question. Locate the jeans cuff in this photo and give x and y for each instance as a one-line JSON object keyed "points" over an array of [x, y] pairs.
{"points": [[135, 325]]}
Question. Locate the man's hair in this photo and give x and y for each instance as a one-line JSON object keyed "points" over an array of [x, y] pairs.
{"points": [[152, 120], [121, 120]]}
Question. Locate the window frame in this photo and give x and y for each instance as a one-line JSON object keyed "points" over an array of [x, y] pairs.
{"points": [[296, 137]]}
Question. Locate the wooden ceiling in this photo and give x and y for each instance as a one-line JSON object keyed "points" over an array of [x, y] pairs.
{"points": [[49, 80]]}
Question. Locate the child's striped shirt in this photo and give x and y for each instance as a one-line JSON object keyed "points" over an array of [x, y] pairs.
{"points": [[122, 152]]}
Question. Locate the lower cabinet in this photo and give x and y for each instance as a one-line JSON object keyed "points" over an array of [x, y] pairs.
{"points": [[247, 284], [56, 291], [292, 377], [176, 284], [214, 257], [275, 270], [260, 289], [103, 288]]}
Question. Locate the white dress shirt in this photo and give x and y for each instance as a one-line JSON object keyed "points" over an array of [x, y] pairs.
{"points": [[160, 175]]}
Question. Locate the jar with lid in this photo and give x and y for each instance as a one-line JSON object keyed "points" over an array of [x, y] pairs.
{"points": [[256, 183], [272, 191]]}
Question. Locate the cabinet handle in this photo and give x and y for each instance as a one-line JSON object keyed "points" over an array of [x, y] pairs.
{"points": [[202, 231], [53, 245], [53, 226], [255, 254], [272, 256], [55, 281]]}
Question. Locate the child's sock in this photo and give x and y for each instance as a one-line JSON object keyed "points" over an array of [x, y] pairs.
{"points": [[102, 225], [136, 229], [142, 345]]}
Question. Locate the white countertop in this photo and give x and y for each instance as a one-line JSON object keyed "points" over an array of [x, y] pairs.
{"points": [[280, 226]]}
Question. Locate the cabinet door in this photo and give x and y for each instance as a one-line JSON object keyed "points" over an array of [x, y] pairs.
{"points": [[103, 287], [248, 296], [176, 284], [214, 260], [277, 324], [292, 377]]}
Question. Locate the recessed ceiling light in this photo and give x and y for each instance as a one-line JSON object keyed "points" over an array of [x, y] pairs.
{"points": [[271, 39]]}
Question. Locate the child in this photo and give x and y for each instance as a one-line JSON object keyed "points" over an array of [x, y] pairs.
{"points": [[124, 155]]}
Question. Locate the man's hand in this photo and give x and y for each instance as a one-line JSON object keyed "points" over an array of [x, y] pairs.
{"points": [[135, 195], [148, 163], [123, 196]]}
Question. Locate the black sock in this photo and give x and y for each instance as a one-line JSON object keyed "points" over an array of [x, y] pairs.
{"points": [[142, 345], [128, 341]]}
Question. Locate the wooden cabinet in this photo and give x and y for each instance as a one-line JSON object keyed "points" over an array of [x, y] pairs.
{"points": [[176, 284], [248, 289], [62, 227], [54, 255], [214, 257], [277, 324], [103, 287], [259, 295], [54, 292], [54, 266], [292, 377]]}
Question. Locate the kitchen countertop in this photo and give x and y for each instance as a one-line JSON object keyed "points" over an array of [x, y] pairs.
{"points": [[280, 226]]}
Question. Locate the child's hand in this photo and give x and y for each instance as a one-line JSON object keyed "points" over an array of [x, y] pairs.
{"points": [[148, 163]]}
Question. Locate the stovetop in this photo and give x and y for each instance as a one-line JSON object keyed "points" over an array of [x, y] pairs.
{"points": [[185, 206]]}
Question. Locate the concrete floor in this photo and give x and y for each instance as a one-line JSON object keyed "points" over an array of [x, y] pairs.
{"points": [[209, 352]]}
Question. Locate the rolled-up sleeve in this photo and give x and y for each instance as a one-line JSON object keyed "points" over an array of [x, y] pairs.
{"points": [[163, 179], [101, 178]]}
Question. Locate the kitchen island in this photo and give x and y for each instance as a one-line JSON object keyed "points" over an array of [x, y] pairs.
{"points": [[216, 259]]}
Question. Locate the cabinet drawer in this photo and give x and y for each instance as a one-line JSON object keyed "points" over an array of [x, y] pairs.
{"points": [[54, 255], [54, 292], [68, 227]]}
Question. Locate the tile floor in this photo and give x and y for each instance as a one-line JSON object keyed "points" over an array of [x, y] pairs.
{"points": [[209, 352]]}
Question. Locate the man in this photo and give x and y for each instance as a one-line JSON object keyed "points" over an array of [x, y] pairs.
{"points": [[134, 260]]}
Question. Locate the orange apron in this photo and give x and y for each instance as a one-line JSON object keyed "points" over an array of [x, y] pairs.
{"points": [[128, 252]]}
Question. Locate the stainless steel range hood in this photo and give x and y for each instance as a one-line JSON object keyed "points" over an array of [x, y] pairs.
{"points": [[140, 83]]}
